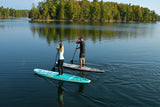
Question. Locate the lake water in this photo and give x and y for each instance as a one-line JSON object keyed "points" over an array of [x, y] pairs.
{"points": [[129, 54]]}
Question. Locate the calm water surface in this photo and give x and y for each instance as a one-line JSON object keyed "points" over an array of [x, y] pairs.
{"points": [[129, 54]]}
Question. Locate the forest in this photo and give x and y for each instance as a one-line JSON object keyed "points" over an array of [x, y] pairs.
{"points": [[12, 13], [91, 11]]}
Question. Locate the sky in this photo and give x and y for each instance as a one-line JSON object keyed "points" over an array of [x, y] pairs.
{"points": [[27, 4]]}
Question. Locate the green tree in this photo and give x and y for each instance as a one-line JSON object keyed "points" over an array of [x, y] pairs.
{"points": [[6, 12], [34, 13], [116, 13], [61, 10], [45, 13], [25, 13], [154, 16], [51, 9], [40, 7], [1, 11], [123, 11], [69, 9], [77, 9], [129, 13], [138, 14], [102, 14], [95, 11], [134, 13], [85, 9], [109, 10], [146, 13]]}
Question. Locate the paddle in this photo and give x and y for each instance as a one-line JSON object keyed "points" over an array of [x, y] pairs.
{"points": [[53, 69], [74, 54]]}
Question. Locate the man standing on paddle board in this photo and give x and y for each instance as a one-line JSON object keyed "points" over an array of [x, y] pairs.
{"points": [[82, 51], [60, 49]]}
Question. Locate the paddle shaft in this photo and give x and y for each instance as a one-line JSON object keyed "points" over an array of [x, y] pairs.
{"points": [[55, 62], [74, 53]]}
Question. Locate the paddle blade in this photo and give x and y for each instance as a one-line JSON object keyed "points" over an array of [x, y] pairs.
{"points": [[53, 69], [72, 61]]}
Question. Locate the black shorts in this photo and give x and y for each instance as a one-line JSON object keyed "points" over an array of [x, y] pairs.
{"points": [[82, 55]]}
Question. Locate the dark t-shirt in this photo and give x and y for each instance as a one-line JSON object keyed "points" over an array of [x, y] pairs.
{"points": [[82, 47]]}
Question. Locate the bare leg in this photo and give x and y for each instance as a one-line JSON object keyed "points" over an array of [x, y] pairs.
{"points": [[80, 63], [83, 62]]}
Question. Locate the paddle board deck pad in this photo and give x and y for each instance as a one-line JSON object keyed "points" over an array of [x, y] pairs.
{"points": [[64, 77], [76, 67]]}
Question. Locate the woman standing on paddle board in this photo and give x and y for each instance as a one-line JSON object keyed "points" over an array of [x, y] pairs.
{"points": [[82, 51], [60, 49]]}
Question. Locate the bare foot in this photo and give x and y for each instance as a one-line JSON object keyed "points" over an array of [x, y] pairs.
{"points": [[59, 75], [79, 67]]}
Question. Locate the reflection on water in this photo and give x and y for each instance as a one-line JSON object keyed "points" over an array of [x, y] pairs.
{"points": [[62, 31], [82, 73], [60, 92], [81, 88], [2, 26], [129, 54]]}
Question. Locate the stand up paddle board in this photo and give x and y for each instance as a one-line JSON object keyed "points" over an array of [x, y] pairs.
{"points": [[64, 77], [76, 67]]}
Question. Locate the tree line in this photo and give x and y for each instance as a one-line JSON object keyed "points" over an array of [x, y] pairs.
{"points": [[11, 13], [158, 18], [92, 11]]}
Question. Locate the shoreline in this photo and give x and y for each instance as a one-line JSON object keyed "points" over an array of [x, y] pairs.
{"points": [[66, 20], [106, 21]]}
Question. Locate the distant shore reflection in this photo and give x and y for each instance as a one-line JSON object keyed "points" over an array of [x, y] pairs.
{"points": [[60, 92], [62, 31]]}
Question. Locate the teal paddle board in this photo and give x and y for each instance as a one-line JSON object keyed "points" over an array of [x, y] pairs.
{"points": [[64, 77]]}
